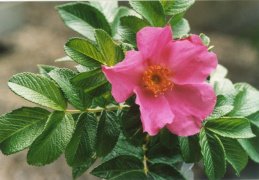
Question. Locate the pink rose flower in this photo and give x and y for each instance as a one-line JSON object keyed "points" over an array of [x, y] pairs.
{"points": [[169, 79]]}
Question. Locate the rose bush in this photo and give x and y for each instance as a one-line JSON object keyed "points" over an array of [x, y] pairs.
{"points": [[144, 98]]}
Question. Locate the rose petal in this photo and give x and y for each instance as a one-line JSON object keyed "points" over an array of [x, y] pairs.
{"points": [[185, 125], [195, 39], [191, 104], [125, 76], [151, 40], [189, 60], [155, 111]]}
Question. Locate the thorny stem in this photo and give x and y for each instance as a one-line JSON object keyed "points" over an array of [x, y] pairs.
{"points": [[145, 159], [99, 109]]}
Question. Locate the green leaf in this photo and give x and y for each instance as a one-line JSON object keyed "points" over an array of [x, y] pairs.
{"points": [[180, 28], [161, 171], [190, 149], [213, 155], [81, 80], [103, 101], [122, 167], [131, 167], [219, 74], [247, 100], [76, 116], [92, 82], [176, 6], [81, 68], [108, 132], [254, 118], [98, 89], [19, 128], [84, 52], [132, 126], [165, 159], [152, 11], [223, 107], [167, 139], [77, 171], [113, 13], [130, 25], [119, 13], [251, 146], [158, 153], [45, 69], [75, 96], [124, 147], [235, 154], [81, 148], [224, 87], [230, 127], [173, 160], [106, 7], [206, 41], [64, 59], [112, 52], [38, 89], [83, 18], [53, 140], [127, 47]]}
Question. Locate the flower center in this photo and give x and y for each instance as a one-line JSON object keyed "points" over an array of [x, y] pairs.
{"points": [[157, 80]]}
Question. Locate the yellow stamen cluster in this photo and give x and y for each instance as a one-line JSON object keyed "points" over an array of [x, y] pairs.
{"points": [[157, 79]]}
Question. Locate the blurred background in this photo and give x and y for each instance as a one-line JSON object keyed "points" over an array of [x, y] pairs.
{"points": [[31, 33]]}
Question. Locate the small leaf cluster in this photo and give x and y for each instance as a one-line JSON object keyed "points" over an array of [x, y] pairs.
{"points": [[79, 118], [229, 134]]}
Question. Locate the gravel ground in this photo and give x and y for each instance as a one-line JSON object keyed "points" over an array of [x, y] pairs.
{"points": [[40, 40]]}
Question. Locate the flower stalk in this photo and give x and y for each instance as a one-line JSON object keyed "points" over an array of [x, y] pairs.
{"points": [[145, 159], [100, 109]]}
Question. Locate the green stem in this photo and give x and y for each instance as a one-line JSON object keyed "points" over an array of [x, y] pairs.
{"points": [[99, 109], [145, 159]]}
